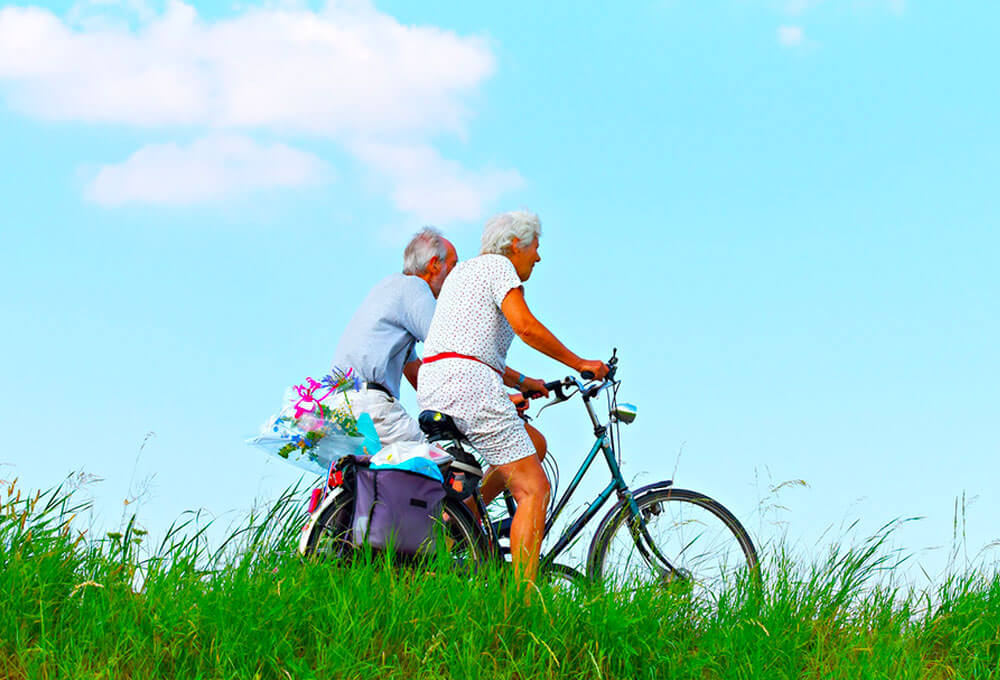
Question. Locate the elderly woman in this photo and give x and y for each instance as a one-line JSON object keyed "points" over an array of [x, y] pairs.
{"points": [[480, 309]]}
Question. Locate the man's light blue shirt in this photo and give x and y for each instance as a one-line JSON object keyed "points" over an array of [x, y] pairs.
{"points": [[382, 335]]}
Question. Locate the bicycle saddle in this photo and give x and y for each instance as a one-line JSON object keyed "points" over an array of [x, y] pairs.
{"points": [[438, 426]]}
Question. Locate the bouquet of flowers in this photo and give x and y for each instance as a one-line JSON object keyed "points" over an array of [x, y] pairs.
{"points": [[311, 432]]}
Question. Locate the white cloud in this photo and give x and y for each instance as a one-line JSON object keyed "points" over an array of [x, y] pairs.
{"points": [[342, 70], [346, 73], [212, 168], [791, 36], [433, 188]]}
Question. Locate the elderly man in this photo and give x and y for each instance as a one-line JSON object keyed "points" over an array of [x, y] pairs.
{"points": [[465, 369], [379, 340]]}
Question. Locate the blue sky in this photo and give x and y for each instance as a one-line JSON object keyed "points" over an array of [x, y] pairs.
{"points": [[783, 214]]}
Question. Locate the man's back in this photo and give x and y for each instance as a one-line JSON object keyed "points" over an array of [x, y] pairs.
{"points": [[380, 338]]}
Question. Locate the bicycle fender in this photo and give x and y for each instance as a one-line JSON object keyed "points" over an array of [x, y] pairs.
{"points": [[616, 508], [314, 517]]}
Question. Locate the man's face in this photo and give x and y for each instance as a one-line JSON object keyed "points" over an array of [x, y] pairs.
{"points": [[444, 268]]}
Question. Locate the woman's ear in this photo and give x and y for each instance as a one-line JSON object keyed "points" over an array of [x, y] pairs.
{"points": [[515, 245]]}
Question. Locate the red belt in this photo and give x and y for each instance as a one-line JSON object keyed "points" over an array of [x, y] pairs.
{"points": [[456, 355]]}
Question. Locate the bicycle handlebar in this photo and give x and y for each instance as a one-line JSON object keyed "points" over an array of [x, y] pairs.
{"points": [[612, 366], [569, 381], [555, 386]]}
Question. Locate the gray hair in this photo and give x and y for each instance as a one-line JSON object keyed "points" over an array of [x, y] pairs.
{"points": [[501, 230], [425, 245]]}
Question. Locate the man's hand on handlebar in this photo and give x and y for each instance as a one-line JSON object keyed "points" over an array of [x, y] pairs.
{"points": [[520, 402], [593, 370]]}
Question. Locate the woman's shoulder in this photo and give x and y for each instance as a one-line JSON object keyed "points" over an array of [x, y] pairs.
{"points": [[477, 273], [490, 262]]}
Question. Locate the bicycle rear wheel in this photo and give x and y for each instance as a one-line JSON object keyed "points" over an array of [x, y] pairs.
{"points": [[330, 537], [456, 532], [689, 539]]}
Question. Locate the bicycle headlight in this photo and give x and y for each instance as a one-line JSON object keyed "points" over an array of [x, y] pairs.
{"points": [[624, 413]]}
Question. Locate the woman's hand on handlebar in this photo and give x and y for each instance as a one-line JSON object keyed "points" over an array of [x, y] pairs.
{"points": [[593, 370], [534, 388]]}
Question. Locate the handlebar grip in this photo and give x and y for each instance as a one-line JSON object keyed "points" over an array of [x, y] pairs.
{"points": [[556, 386], [587, 375]]}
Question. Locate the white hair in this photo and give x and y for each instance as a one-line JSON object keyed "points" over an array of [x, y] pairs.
{"points": [[501, 230], [425, 245]]}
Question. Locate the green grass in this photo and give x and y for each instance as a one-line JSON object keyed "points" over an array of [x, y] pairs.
{"points": [[72, 607]]}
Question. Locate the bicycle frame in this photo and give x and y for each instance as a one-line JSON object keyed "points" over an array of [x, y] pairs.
{"points": [[617, 483], [602, 444]]}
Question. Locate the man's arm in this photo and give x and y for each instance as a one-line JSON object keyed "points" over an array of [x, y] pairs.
{"points": [[417, 315], [410, 370], [418, 311]]}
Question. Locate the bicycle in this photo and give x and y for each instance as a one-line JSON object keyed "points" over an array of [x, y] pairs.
{"points": [[657, 533]]}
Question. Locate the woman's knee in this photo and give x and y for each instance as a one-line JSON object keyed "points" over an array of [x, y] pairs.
{"points": [[537, 488], [538, 440], [527, 480]]}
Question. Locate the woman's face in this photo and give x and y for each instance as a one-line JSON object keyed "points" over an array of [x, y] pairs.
{"points": [[524, 258]]}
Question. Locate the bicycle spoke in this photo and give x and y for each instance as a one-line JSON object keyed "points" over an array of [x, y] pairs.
{"points": [[682, 537]]}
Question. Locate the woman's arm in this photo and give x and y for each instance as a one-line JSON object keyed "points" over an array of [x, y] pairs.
{"points": [[514, 378], [531, 330]]}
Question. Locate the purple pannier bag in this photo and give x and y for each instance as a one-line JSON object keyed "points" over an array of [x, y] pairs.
{"points": [[397, 508]]}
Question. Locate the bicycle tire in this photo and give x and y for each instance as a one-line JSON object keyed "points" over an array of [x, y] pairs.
{"points": [[704, 543], [563, 577], [331, 536]]}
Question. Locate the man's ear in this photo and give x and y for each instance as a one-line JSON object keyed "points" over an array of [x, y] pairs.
{"points": [[434, 266]]}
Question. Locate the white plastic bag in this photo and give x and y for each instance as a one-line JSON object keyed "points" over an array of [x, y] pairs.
{"points": [[419, 457], [399, 452], [310, 433]]}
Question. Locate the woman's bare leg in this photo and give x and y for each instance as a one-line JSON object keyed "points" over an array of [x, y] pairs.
{"points": [[493, 481], [527, 481]]}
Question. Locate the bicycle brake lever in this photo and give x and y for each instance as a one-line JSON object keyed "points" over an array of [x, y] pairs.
{"points": [[539, 413], [556, 386]]}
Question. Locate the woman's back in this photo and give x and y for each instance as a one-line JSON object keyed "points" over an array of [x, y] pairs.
{"points": [[468, 318]]}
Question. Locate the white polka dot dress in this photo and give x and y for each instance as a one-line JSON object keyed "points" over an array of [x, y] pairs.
{"points": [[468, 320]]}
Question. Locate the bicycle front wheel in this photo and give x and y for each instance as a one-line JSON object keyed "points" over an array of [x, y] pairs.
{"points": [[678, 536]]}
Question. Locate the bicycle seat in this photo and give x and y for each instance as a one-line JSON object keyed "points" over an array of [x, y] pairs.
{"points": [[438, 426]]}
